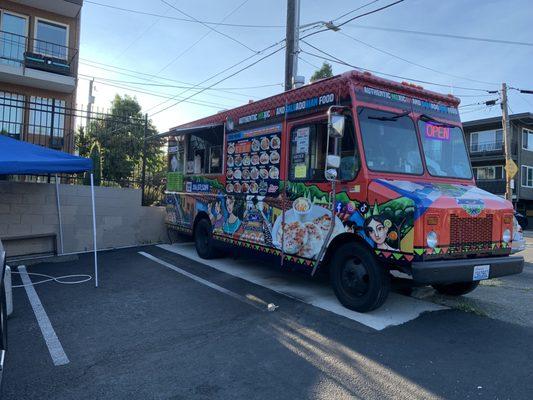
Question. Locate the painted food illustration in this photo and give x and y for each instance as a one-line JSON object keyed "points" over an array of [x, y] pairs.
{"points": [[274, 157], [229, 188], [255, 145], [305, 229], [263, 173], [229, 174], [237, 187], [255, 159], [246, 160], [275, 142], [274, 172], [254, 187], [245, 173], [264, 158], [237, 174], [230, 161], [254, 173], [231, 148], [238, 160], [265, 143]]}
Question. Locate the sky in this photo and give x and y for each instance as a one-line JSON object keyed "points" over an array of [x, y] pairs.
{"points": [[163, 57]]}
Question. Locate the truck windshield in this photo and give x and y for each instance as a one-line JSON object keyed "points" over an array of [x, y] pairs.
{"points": [[445, 150], [390, 142]]}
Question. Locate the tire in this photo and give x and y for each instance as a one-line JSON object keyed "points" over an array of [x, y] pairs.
{"points": [[359, 281], [203, 240], [456, 289]]}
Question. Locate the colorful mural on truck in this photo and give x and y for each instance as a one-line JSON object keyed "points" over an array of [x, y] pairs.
{"points": [[299, 225]]}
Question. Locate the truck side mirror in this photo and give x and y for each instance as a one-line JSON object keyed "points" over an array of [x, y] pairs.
{"points": [[333, 161], [336, 125]]}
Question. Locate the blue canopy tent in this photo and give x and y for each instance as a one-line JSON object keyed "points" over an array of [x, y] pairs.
{"points": [[22, 158]]}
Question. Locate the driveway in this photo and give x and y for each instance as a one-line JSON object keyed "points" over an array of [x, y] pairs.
{"points": [[170, 327]]}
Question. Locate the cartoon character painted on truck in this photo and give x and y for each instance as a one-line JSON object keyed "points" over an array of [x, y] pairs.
{"points": [[355, 173]]}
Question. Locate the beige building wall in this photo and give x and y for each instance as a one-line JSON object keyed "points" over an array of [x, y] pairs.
{"points": [[29, 218]]}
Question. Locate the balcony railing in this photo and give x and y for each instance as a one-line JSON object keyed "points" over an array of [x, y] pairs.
{"points": [[18, 50], [486, 147]]}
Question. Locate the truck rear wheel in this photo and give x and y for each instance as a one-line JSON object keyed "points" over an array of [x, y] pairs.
{"points": [[359, 281], [456, 289], [203, 240]]}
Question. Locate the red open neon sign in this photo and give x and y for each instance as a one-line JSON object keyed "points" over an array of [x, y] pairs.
{"points": [[437, 132]]}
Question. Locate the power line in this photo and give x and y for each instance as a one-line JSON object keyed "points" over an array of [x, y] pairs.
{"points": [[160, 95], [446, 35], [220, 73], [210, 27], [354, 10], [167, 95], [369, 13], [227, 90], [223, 79], [182, 86], [129, 10], [414, 63], [202, 37], [308, 62], [332, 58]]}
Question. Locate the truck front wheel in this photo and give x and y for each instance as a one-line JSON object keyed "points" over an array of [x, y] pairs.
{"points": [[456, 289], [360, 282]]}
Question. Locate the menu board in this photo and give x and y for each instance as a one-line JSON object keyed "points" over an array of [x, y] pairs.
{"points": [[253, 161]]}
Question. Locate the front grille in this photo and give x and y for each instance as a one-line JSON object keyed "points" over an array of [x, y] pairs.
{"points": [[470, 230]]}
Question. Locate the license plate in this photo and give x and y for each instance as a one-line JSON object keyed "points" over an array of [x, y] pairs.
{"points": [[481, 272]]}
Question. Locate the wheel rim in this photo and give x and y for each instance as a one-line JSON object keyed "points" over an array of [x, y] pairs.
{"points": [[355, 278]]}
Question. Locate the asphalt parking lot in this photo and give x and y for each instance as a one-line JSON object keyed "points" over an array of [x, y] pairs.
{"points": [[169, 327]]}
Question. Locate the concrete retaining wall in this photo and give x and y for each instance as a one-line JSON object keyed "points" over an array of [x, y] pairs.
{"points": [[29, 209]]}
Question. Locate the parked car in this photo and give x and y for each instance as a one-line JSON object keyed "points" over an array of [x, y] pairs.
{"points": [[3, 311], [522, 220]]}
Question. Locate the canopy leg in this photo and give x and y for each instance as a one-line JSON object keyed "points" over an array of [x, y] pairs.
{"points": [[59, 216], [94, 235]]}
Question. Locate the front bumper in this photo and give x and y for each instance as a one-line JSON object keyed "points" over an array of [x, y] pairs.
{"points": [[450, 271]]}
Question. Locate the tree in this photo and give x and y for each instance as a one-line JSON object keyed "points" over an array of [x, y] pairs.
{"points": [[324, 72], [120, 135]]}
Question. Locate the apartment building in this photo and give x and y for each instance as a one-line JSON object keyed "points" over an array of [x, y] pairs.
{"points": [[485, 141], [39, 43]]}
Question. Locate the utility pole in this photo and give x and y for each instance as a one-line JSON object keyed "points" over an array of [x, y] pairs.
{"points": [[507, 144], [292, 42], [90, 102]]}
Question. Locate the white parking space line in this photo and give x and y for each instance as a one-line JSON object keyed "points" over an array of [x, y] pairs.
{"points": [[257, 304], [52, 342], [397, 309]]}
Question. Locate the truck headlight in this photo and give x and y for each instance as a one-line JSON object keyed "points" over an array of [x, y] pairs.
{"points": [[506, 237], [432, 239]]}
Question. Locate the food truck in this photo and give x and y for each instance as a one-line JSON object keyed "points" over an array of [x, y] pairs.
{"points": [[355, 175]]}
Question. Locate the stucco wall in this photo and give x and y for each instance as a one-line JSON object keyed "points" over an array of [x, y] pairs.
{"points": [[31, 209]]}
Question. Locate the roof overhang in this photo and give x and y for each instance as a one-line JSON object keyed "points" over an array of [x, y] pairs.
{"points": [[67, 8], [185, 131]]}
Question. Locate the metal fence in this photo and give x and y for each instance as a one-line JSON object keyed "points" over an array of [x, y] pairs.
{"points": [[127, 160]]}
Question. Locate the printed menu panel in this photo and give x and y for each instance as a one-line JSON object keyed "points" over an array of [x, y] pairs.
{"points": [[253, 161]]}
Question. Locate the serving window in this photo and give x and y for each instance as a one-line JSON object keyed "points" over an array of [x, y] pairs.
{"points": [[308, 152], [204, 152]]}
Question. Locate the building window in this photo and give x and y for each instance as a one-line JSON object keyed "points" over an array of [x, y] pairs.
{"points": [[51, 39], [491, 140], [492, 172], [13, 32], [527, 176], [11, 114], [47, 117], [527, 139]]}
